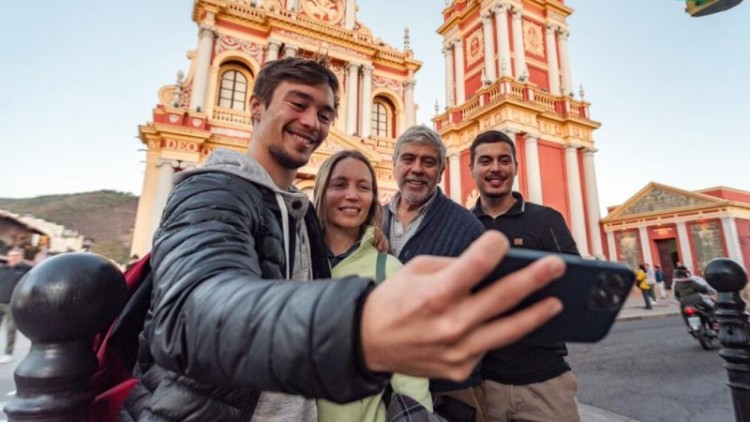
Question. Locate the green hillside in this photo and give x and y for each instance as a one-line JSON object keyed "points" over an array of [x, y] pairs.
{"points": [[105, 216]]}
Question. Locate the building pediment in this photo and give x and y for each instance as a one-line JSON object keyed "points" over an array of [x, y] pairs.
{"points": [[657, 198]]}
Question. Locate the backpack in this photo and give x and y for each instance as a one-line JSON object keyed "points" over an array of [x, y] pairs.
{"points": [[117, 349]]}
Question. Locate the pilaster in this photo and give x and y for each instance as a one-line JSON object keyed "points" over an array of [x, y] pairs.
{"points": [[366, 101], [575, 199], [459, 55], [592, 195], [533, 170], [206, 37], [489, 63]]}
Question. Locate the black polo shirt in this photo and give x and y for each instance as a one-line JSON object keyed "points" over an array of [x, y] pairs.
{"points": [[528, 226]]}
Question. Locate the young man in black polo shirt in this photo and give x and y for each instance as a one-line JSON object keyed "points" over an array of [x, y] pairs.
{"points": [[528, 380]]}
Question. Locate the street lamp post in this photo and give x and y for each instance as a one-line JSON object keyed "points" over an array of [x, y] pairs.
{"points": [[728, 278]]}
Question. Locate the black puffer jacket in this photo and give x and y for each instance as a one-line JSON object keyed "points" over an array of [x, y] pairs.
{"points": [[224, 324]]}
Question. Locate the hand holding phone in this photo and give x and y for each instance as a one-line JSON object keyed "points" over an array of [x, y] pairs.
{"points": [[592, 293]]}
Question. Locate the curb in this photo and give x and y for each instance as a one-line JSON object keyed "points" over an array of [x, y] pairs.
{"points": [[594, 414], [647, 316]]}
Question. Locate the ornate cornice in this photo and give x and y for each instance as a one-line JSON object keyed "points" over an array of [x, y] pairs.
{"points": [[286, 22]]}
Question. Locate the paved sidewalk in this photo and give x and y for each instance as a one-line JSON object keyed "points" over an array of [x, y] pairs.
{"points": [[635, 309]]}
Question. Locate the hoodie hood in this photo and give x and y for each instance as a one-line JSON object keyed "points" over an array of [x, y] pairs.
{"points": [[246, 167]]}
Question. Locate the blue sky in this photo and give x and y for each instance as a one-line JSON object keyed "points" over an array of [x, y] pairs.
{"points": [[672, 92]]}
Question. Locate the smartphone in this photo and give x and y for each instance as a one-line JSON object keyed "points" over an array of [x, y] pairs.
{"points": [[592, 293]]}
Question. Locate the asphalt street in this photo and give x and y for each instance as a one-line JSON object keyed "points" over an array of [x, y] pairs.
{"points": [[651, 370]]}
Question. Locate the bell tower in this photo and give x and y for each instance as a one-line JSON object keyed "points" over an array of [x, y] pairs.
{"points": [[507, 68]]}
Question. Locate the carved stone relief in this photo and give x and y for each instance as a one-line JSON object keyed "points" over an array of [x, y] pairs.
{"points": [[382, 82], [707, 242], [630, 248], [658, 200], [474, 47], [229, 43], [532, 38], [328, 11]]}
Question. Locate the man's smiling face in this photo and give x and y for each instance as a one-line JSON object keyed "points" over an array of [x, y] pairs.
{"points": [[294, 123]]}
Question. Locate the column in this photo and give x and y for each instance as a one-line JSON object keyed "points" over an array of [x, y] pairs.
{"points": [[455, 182], [533, 172], [411, 111], [512, 135], [729, 226], [163, 187], [459, 52], [612, 247], [687, 253], [442, 181], [567, 84], [448, 53], [503, 39], [290, 51], [554, 69], [350, 14], [272, 51], [645, 246], [351, 98], [592, 195], [519, 51], [575, 199], [366, 101], [489, 63], [202, 67]]}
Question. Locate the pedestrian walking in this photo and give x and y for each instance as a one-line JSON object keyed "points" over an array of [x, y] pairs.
{"points": [[660, 281], [10, 274], [650, 276], [641, 280]]}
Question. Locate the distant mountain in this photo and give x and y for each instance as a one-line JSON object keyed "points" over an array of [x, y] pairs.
{"points": [[105, 216]]}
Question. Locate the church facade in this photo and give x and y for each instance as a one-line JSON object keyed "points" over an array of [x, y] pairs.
{"points": [[506, 67], [663, 225], [208, 108]]}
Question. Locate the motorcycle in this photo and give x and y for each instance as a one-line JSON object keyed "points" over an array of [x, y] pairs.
{"points": [[702, 325]]}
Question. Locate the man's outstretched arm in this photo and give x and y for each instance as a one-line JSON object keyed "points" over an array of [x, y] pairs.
{"points": [[425, 320]]}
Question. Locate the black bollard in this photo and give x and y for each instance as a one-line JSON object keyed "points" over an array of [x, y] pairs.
{"points": [[60, 305], [728, 278]]}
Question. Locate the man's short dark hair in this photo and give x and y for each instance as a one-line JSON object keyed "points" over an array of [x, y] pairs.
{"points": [[491, 137], [294, 69]]}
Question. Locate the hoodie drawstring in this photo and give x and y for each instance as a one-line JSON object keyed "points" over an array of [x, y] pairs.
{"points": [[285, 226]]}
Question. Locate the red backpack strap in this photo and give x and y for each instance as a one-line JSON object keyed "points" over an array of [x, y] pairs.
{"points": [[135, 274], [118, 347]]}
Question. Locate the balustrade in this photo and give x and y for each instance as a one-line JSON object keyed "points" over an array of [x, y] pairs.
{"points": [[547, 101], [236, 117]]}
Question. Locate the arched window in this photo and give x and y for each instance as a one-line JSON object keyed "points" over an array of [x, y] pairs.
{"points": [[233, 90], [382, 118]]}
